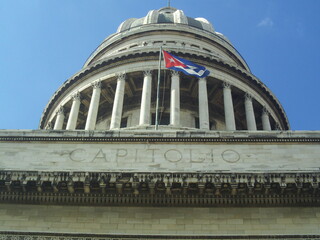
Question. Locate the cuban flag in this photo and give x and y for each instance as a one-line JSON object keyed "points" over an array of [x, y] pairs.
{"points": [[183, 65]]}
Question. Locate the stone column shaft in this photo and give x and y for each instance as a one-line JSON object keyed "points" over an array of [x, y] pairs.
{"points": [[146, 99], [74, 112], [203, 104], [175, 99], [228, 108], [266, 126], [251, 120], [60, 119], [94, 106], [118, 103]]}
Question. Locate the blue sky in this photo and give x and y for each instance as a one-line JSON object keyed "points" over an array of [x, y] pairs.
{"points": [[44, 42]]}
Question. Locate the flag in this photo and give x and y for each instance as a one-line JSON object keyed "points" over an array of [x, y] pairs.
{"points": [[183, 65]]}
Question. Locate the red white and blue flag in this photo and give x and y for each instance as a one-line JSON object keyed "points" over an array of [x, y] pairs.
{"points": [[183, 65]]}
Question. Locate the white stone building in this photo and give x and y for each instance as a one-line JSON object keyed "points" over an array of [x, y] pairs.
{"points": [[223, 163]]}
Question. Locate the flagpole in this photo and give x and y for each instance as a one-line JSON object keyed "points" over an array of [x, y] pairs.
{"points": [[158, 90]]}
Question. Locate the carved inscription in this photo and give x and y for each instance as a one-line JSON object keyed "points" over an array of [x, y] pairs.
{"points": [[230, 156], [153, 155]]}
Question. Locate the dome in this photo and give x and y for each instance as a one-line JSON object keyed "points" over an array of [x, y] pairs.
{"points": [[166, 15], [116, 88], [168, 18]]}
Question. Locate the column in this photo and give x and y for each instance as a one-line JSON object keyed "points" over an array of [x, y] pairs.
{"points": [[73, 116], [228, 107], [94, 106], [266, 126], [203, 104], [175, 99], [146, 99], [60, 119], [118, 103], [251, 120]]}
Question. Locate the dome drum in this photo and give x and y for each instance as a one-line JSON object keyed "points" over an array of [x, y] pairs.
{"points": [[189, 106]]}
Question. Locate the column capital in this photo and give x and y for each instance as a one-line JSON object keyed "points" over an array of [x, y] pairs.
{"points": [[96, 84], [76, 96], [265, 110], [147, 73], [248, 96], [226, 85], [121, 76], [60, 110], [278, 126], [174, 73], [49, 126]]}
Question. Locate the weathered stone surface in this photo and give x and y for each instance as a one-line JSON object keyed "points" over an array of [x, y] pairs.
{"points": [[261, 152]]}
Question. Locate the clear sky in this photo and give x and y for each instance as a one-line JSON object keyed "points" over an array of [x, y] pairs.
{"points": [[44, 42]]}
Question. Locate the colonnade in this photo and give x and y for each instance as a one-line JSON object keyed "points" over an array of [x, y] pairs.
{"points": [[145, 109]]}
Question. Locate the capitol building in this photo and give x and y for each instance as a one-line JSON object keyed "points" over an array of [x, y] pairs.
{"points": [[128, 149]]}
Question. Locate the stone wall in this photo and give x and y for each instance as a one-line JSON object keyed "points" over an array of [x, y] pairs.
{"points": [[155, 220]]}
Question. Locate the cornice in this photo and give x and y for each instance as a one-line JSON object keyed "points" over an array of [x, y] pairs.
{"points": [[150, 139], [164, 134], [161, 189]]}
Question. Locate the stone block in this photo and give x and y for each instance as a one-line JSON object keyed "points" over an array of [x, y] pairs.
{"points": [[235, 221], [85, 220], [159, 227], [210, 227], [284, 220], [143, 226], [192, 227], [201, 221], [168, 221], [122, 226]]}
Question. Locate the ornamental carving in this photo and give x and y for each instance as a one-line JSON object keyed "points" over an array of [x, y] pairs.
{"points": [[60, 110], [76, 96], [226, 85], [96, 84], [147, 73], [121, 76]]}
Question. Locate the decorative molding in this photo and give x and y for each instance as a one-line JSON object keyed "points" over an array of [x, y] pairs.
{"points": [[161, 189], [190, 139]]}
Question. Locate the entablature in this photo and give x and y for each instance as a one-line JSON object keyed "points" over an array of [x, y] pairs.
{"points": [[161, 189]]}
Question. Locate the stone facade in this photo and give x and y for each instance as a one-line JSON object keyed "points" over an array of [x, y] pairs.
{"points": [[234, 221], [110, 191]]}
